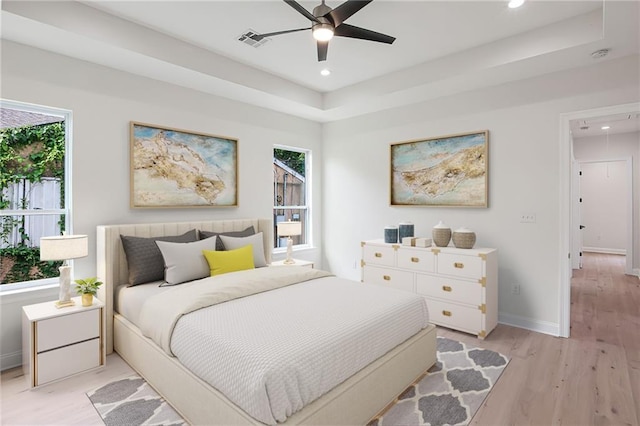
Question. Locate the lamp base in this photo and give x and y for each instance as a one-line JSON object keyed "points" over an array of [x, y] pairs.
{"points": [[289, 261], [65, 303]]}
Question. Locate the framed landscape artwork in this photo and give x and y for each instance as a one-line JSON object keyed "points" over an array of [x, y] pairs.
{"points": [[447, 171], [178, 168]]}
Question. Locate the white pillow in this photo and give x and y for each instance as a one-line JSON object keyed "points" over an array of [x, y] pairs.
{"points": [[184, 261], [232, 243]]}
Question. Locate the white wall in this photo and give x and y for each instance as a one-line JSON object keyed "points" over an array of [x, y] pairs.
{"points": [[103, 102], [596, 148], [523, 123]]}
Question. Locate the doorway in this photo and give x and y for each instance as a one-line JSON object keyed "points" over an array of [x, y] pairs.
{"points": [[567, 210]]}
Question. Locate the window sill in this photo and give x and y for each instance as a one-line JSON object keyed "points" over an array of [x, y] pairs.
{"points": [[296, 249], [28, 286]]}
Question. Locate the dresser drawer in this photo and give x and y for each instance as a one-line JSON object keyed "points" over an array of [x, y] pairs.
{"points": [[63, 362], [469, 292], [67, 329], [417, 260], [379, 255], [460, 265], [401, 280], [463, 318]]}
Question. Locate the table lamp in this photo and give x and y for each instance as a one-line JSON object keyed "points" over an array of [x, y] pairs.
{"points": [[289, 229], [64, 247]]}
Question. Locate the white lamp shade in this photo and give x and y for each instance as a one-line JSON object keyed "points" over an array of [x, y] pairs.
{"points": [[289, 229], [64, 247]]}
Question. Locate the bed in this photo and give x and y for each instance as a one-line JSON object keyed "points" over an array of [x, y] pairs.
{"points": [[353, 401]]}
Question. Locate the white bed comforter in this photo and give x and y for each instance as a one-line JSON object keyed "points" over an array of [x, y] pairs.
{"points": [[279, 350]]}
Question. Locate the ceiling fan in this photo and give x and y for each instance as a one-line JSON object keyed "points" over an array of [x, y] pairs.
{"points": [[327, 22]]}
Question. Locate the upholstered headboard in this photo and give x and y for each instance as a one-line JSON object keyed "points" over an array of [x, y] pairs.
{"points": [[111, 263]]}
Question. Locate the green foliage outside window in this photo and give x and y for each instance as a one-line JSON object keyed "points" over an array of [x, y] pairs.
{"points": [[293, 159], [28, 153]]}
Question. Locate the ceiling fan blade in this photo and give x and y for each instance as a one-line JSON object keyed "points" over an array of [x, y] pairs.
{"points": [[346, 30], [345, 10], [258, 37], [294, 4], [323, 46]]}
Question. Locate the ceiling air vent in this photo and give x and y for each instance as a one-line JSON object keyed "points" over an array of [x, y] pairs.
{"points": [[246, 38]]}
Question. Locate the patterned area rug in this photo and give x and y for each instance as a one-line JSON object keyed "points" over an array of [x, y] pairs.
{"points": [[449, 394], [452, 390], [133, 402]]}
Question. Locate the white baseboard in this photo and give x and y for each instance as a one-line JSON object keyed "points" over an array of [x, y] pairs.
{"points": [[544, 327], [636, 272], [605, 250], [10, 360]]}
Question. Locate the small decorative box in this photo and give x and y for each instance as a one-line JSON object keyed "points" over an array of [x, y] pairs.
{"points": [[423, 242], [409, 241]]}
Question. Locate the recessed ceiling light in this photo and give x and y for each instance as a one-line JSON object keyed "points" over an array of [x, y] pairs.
{"points": [[325, 72], [605, 127], [515, 3]]}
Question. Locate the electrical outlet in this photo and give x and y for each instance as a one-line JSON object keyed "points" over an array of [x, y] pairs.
{"points": [[515, 289], [528, 218]]}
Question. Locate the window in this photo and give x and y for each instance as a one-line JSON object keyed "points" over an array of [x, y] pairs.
{"points": [[291, 177], [34, 190]]}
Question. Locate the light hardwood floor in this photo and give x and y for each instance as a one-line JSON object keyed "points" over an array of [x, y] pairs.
{"points": [[592, 378]]}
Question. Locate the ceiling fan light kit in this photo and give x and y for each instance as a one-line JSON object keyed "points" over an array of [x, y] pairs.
{"points": [[323, 32], [327, 22]]}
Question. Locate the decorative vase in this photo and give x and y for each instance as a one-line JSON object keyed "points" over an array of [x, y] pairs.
{"points": [[441, 234], [464, 238], [405, 229], [87, 299], [391, 234]]}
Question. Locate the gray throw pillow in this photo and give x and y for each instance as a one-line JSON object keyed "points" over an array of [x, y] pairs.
{"points": [[185, 262], [219, 245], [144, 259], [232, 243]]}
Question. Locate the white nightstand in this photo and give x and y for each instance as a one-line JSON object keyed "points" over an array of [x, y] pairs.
{"points": [[303, 263], [57, 343]]}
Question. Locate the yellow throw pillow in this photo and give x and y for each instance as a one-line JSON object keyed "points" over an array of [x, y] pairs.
{"points": [[221, 262]]}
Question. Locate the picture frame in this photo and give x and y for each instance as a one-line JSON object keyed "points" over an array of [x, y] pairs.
{"points": [[445, 171], [172, 168]]}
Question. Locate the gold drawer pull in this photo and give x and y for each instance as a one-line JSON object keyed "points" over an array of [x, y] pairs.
{"points": [[386, 277], [459, 265], [415, 259], [378, 255], [446, 288], [446, 313]]}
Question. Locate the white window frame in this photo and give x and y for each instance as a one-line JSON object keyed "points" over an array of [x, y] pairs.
{"points": [[66, 115], [307, 197]]}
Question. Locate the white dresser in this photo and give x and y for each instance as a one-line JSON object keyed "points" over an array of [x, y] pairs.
{"points": [[58, 343], [460, 285]]}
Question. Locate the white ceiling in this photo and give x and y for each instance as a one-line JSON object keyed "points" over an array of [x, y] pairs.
{"points": [[617, 123], [442, 47]]}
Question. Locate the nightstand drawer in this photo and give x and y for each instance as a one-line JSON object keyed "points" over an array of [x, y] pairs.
{"points": [[401, 280], [463, 318], [418, 260], [468, 292], [67, 329], [461, 266], [379, 255], [63, 362]]}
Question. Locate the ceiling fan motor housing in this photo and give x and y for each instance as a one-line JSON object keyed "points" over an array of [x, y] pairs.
{"points": [[321, 10]]}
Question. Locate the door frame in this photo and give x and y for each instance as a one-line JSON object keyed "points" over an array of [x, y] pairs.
{"points": [[565, 204]]}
